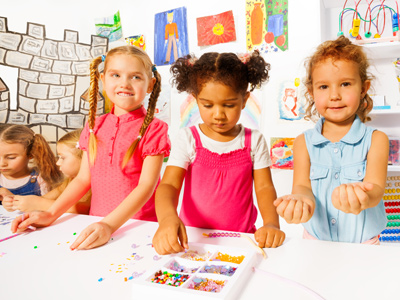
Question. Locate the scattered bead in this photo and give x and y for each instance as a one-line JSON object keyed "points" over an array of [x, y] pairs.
{"points": [[100, 279]]}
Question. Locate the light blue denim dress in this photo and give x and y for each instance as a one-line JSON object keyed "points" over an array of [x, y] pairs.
{"points": [[333, 164]]}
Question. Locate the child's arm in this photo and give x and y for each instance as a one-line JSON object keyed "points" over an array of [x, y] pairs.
{"points": [[99, 233], [171, 228], [299, 206], [358, 196], [269, 235], [73, 192]]}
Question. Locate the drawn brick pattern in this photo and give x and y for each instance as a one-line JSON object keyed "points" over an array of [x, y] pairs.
{"points": [[47, 76]]}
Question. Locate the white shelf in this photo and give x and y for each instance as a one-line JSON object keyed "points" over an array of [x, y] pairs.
{"points": [[383, 50], [391, 111], [393, 168]]}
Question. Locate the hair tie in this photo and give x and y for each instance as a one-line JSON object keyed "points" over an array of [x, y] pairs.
{"points": [[244, 57], [77, 145], [139, 137], [154, 69], [103, 57], [91, 130]]}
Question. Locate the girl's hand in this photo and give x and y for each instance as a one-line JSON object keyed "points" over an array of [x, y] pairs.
{"points": [[269, 236], [352, 197], [8, 203], [171, 236], [21, 203], [4, 192], [95, 235], [35, 218], [295, 208]]}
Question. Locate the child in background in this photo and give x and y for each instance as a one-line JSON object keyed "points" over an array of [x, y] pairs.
{"points": [[20, 146], [340, 166], [218, 159], [69, 161], [126, 148]]}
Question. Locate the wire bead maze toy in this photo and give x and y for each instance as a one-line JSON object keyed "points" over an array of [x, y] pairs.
{"points": [[235, 234], [371, 22]]}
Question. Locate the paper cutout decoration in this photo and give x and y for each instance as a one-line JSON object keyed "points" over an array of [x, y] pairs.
{"points": [[282, 153], [217, 29], [249, 118], [170, 36], [267, 25], [109, 27], [136, 40]]}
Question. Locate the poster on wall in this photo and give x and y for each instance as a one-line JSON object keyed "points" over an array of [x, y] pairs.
{"points": [[267, 25], [217, 29], [171, 39], [136, 40], [282, 153], [52, 75], [163, 106], [250, 117], [291, 104], [109, 27]]}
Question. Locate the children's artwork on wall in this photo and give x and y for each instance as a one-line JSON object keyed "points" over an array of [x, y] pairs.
{"points": [[267, 25], [47, 97], [109, 27], [136, 40], [282, 153], [217, 29], [250, 116], [170, 36], [163, 106], [291, 105]]}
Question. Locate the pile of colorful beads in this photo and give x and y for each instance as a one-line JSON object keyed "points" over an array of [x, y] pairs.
{"points": [[169, 278], [194, 255], [222, 270], [228, 258], [207, 285], [175, 266]]}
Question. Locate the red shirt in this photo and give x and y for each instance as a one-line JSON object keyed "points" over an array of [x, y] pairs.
{"points": [[109, 183]]}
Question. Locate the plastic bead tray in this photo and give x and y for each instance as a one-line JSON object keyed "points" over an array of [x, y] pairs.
{"points": [[194, 270]]}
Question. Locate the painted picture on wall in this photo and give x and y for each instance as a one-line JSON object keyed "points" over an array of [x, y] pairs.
{"points": [[291, 105], [267, 25], [250, 117], [52, 92], [217, 29], [163, 106], [282, 153], [170, 36], [109, 27], [136, 40]]}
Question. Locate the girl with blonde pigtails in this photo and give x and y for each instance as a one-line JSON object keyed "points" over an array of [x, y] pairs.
{"points": [[124, 149]]}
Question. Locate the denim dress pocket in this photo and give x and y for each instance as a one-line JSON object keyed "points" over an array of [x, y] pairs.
{"points": [[354, 172], [318, 172]]}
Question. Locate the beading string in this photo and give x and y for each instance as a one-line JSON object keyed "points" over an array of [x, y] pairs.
{"points": [[235, 234]]}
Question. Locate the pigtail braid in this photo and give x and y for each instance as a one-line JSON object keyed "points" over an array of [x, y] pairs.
{"points": [[93, 96], [147, 120], [45, 161], [257, 70]]}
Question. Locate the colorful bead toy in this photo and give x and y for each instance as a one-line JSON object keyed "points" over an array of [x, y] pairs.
{"points": [[207, 285], [169, 278], [228, 258]]}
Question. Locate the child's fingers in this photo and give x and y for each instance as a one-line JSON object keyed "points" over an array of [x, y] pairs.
{"points": [[81, 238], [354, 202], [280, 209], [23, 222], [288, 214], [260, 238], [277, 240], [278, 201], [306, 214], [343, 199], [174, 245], [297, 212], [362, 197], [182, 235], [92, 241]]}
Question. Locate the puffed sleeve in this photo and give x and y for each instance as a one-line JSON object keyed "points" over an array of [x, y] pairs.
{"points": [[155, 140], [84, 138]]}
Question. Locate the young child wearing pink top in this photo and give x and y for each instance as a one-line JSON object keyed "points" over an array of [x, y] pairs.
{"points": [[125, 150], [218, 159]]}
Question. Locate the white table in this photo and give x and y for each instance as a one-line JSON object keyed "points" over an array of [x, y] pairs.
{"points": [[52, 271]]}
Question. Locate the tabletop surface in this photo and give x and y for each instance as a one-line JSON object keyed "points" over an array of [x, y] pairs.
{"points": [[40, 265]]}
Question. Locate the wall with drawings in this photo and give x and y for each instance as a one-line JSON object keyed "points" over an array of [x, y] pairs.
{"points": [[138, 18]]}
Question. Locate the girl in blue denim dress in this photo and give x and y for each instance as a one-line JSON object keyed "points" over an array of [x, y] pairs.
{"points": [[340, 165]]}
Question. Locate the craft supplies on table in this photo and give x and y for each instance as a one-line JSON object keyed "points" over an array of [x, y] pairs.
{"points": [[202, 271]]}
